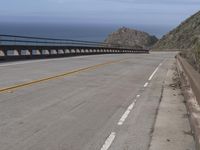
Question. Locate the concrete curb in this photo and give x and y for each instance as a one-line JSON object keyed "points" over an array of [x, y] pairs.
{"points": [[191, 93]]}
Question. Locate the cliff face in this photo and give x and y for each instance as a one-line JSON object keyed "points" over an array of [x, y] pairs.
{"points": [[185, 36], [125, 37]]}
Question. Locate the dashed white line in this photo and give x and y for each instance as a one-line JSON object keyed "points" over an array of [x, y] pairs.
{"points": [[150, 78], [125, 115], [146, 84], [111, 137], [123, 118], [109, 141], [130, 107], [138, 96]]}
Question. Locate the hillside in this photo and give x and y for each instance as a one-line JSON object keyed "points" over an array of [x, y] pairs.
{"points": [[185, 36], [125, 37]]}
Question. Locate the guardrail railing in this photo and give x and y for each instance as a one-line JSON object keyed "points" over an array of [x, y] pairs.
{"points": [[29, 47], [30, 40]]}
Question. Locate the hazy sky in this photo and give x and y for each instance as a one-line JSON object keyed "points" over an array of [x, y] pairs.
{"points": [[123, 12]]}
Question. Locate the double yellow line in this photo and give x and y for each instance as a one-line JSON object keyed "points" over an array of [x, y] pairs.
{"points": [[17, 86]]}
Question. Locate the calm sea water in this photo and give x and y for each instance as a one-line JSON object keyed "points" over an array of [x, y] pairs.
{"points": [[73, 31]]}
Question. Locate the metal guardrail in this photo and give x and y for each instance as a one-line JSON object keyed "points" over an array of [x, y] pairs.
{"points": [[29, 40], [28, 47]]}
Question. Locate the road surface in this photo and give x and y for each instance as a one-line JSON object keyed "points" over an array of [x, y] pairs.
{"points": [[95, 102]]}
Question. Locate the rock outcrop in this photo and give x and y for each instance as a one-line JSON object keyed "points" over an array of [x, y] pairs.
{"points": [[125, 37]]}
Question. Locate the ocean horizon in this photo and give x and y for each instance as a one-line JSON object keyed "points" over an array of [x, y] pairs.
{"points": [[89, 32]]}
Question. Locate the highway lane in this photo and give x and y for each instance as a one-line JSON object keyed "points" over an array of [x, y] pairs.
{"points": [[80, 110]]}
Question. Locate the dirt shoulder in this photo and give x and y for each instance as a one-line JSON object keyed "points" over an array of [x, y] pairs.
{"points": [[172, 129]]}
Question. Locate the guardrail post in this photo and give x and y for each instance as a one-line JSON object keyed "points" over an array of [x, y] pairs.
{"points": [[57, 51], [53, 52], [16, 52], [23, 52], [86, 50], [30, 52], [77, 51], [73, 50], [46, 52], [67, 51], [40, 51], [2, 53], [5, 52], [82, 51], [60, 51]]}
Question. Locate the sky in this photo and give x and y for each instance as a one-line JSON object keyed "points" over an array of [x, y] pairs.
{"points": [[120, 12]]}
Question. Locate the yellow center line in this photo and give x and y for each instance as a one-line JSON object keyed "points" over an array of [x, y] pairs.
{"points": [[20, 85]]}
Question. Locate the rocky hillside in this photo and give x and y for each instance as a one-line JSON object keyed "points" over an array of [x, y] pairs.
{"points": [[125, 37], [185, 36]]}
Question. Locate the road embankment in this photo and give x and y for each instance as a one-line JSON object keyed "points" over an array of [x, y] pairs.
{"points": [[190, 83]]}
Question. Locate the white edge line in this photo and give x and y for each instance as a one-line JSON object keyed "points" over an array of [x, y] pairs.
{"points": [[108, 141]]}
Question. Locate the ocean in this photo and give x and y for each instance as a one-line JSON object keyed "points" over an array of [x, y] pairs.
{"points": [[89, 32]]}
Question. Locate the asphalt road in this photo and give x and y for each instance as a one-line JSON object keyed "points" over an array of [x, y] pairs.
{"points": [[95, 102]]}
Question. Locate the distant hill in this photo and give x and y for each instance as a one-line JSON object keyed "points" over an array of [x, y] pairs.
{"points": [[185, 36], [130, 38]]}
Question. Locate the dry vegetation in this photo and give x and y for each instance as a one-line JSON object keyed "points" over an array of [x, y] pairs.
{"points": [[186, 37], [193, 56]]}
